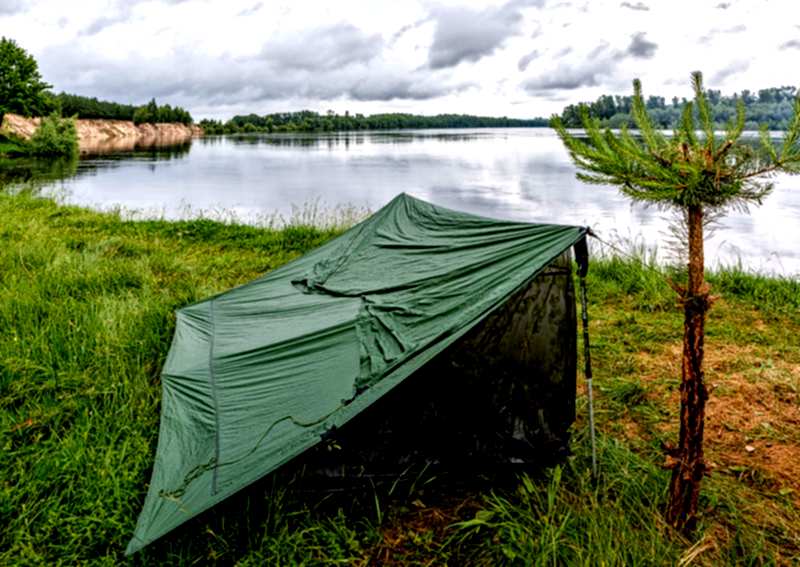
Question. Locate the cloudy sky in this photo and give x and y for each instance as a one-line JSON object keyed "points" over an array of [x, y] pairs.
{"points": [[517, 58]]}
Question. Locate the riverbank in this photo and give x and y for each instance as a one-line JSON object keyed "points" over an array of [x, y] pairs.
{"points": [[107, 135], [86, 318]]}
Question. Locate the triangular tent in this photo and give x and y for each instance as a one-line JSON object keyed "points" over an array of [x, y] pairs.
{"points": [[256, 375]]}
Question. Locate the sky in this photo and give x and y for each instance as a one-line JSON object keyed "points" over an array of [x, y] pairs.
{"points": [[517, 58]]}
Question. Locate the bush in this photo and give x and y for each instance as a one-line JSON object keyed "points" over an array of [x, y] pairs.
{"points": [[12, 145], [55, 136]]}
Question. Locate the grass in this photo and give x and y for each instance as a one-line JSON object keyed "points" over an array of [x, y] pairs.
{"points": [[86, 317]]}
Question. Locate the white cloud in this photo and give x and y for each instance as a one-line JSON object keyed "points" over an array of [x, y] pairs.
{"points": [[503, 57]]}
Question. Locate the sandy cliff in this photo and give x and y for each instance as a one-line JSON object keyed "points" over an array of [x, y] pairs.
{"points": [[96, 135]]}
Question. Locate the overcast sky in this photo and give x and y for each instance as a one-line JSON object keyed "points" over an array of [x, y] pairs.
{"points": [[517, 58]]}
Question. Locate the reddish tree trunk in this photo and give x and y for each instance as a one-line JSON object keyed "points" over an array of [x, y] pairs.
{"points": [[687, 459]]}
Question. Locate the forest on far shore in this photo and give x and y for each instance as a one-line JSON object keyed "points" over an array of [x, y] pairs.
{"points": [[771, 107], [310, 121]]}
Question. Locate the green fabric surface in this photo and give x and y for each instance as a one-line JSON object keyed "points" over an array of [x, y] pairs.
{"points": [[257, 374]]}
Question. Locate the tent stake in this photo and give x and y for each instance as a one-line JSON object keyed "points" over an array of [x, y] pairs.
{"points": [[588, 369]]}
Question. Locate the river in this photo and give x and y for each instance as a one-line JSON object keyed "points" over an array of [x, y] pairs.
{"points": [[520, 174]]}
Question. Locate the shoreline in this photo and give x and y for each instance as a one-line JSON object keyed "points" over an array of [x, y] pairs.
{"points": [[103, 135], [340, 218]]}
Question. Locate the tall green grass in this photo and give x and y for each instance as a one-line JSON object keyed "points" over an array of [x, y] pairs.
{"points": [[568, 518], [633, 269], [86, 318]]}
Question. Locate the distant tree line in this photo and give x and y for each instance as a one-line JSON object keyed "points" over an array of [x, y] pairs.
{"points": [[309, 121], [772, 107], [24, 92], [86, 107], [152, 112]]}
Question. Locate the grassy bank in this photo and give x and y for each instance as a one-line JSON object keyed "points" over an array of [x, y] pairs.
{"points": [[86, 317]]}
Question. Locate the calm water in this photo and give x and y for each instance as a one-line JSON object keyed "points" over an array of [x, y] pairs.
{"points": [[521, 174]]}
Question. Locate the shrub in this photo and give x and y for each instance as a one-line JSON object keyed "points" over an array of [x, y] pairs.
{"points": [[55, 136]]}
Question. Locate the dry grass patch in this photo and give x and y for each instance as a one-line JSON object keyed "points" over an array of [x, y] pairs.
{"points": [[753, 411], [415, 536]]}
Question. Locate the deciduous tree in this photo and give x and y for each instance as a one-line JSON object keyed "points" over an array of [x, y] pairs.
{"points": [[22, 90]]}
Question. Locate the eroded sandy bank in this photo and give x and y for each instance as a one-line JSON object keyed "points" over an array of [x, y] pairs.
{"points": [[96, 135]]}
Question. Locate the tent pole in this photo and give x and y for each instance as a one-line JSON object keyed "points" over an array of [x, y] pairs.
{"points": [[582, 258], [588, 371]]}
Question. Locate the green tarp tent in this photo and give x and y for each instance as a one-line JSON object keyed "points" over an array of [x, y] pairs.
{"points": [[256, 375]]}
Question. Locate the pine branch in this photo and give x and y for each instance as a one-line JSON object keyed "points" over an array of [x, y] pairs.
{"points": [[687, 125], [641, 118], [736, 128], [793, 131], [766, 143], [683, 171], [703, 112]]}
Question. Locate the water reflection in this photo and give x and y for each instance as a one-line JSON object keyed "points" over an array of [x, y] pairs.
{"points": [[123, 145], [146, 152], [345, 139], [23, 171], [519, 174]]}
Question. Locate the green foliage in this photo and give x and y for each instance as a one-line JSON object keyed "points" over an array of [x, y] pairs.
{"points": [[22, 90], [639, 274], [685, 169], [772, 107], [643, 277], [308, 121], [85, 107], [55, 136], [152, 113], [11, 145]]}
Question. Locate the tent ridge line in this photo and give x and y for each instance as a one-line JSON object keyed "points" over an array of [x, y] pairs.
{"points": [[213, 382]]}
